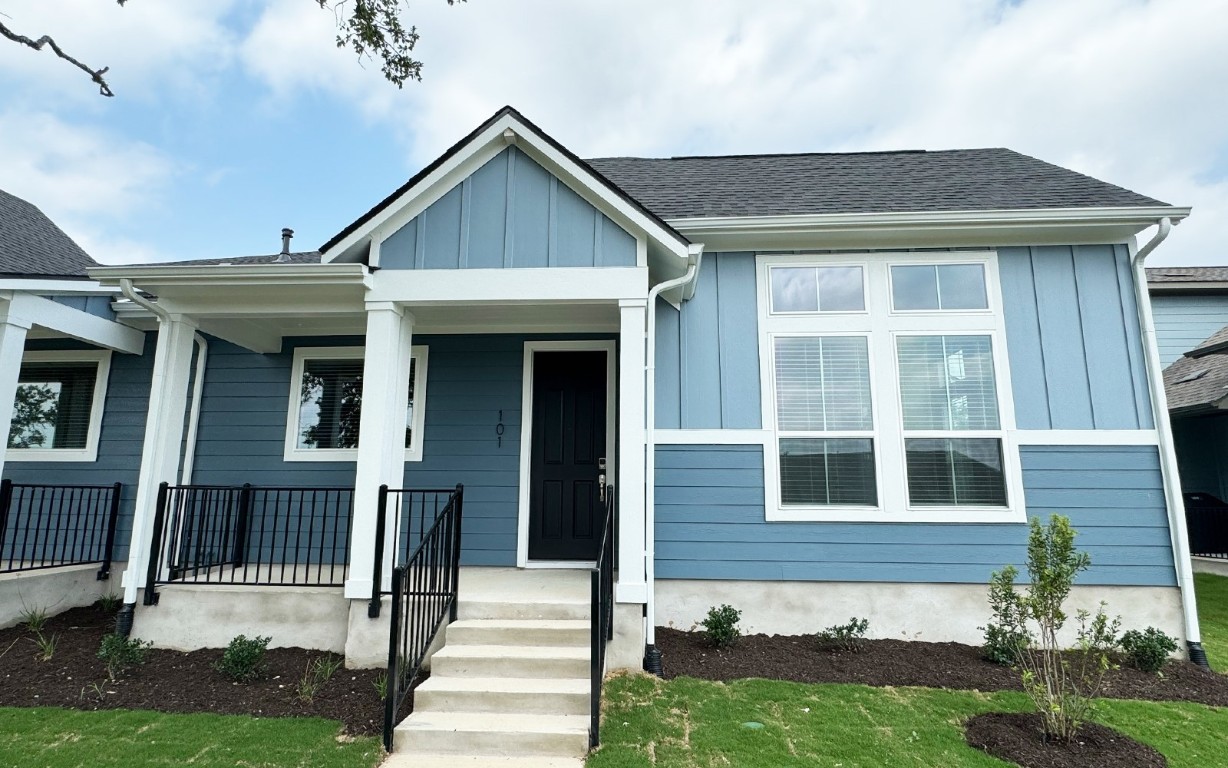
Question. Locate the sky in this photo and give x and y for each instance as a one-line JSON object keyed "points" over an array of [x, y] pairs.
{"points": [[235, 118]]}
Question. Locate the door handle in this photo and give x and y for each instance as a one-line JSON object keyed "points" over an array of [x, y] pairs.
{"points": [[601, 479]]}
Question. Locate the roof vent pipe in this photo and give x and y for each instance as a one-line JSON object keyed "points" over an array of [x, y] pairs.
{"points": [[286, 234]]}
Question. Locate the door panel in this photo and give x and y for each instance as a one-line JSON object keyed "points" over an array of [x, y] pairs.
{"points": [[569, 438]]}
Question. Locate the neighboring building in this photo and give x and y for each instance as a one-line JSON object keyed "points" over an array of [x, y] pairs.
{"points": [[822, 385], [1190, 305]]}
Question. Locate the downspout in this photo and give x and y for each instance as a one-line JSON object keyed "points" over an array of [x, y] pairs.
{"points": [[1168, 453], [652, 655]]}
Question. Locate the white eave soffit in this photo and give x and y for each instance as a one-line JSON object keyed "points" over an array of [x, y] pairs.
{"points": [[504, 132]]}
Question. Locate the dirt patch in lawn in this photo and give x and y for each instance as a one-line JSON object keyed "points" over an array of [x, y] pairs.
{"points": [[901, 663], [1018, 737], [173, 681]]}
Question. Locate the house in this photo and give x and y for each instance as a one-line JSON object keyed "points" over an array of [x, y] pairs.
{"points": [[1191, 309], [811, 386]]}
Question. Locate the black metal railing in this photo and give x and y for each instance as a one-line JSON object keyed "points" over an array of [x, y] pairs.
{"points": [[601, 618], [250, 535], [424, 592], [1208, 531], [48, 526], [415, 511]]}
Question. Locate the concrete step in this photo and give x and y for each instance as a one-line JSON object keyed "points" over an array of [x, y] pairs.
{"points": [[519, 632], [511, 661], [545, 696], [526, 608], [479, 761], [488, 734]]}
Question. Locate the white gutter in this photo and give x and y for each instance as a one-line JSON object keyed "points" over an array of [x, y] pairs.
{"points": [[198, 389], [1168, 453], [695, 253]]}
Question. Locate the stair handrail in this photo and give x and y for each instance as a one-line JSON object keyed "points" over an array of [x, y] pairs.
{"points": [[601, 616]]}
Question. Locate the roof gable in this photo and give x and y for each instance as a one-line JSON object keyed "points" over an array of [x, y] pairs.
{"points": [[32, 245]]}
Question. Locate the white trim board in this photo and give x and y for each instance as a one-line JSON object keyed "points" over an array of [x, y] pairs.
{"points": [[609, 346], [102, 358]]}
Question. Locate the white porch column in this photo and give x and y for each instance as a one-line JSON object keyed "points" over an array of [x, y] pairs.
{"points": [[12, 345], [160, 454], [381, 437], [629, 485]]}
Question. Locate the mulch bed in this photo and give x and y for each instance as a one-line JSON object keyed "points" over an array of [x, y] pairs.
{"points": [[907, 663], [173, 681], [1018, 737]]}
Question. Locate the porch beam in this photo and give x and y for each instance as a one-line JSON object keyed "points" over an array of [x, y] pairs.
{"points": [[160, 452], [629, 487], [381, 438], [13, 330], [508, 286], [76, 324]]}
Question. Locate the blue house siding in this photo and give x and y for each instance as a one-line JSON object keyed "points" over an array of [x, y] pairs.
{"points": [[1073, 338], [708, 354], [511, 212], [472, 381], [98, 306], [710, 523], [119, 442], [1184, 322]]}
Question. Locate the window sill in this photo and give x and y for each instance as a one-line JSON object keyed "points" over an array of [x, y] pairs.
{"points": [[65, 455], [864, 515]]}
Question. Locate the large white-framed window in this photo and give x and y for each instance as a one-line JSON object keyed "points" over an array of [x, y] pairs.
{"points": [[326, 404], [890, 401], [57, 409]]}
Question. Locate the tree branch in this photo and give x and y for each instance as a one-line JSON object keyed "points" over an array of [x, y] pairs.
{"points": [[95, 74]]}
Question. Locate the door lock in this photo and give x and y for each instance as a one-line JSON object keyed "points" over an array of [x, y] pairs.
{"points": [[601, 479]]}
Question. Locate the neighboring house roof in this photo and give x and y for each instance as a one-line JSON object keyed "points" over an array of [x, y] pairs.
{"points": [[299, 257], [1187, 280], [858, 182], [31, 245], [1198, 381]]}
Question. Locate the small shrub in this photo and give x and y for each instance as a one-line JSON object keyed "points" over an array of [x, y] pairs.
{"points": [[381, 685], [1007, 636], [721, 626], [110, 602], [1148, 650], [46, 646], [34, 619], [319, 671], [844, 637], [243, 659], [120, 653]]}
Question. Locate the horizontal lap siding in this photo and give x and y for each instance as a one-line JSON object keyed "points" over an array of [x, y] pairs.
{"points": [[1184, 322], [119, 444], [511, 212], [710, 523]]}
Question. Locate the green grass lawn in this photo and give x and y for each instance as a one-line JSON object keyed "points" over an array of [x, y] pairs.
{"points": [[1212, 592], [686, 722], [65, 738]]}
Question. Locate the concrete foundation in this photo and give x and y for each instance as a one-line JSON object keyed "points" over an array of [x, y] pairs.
{"points": [[52, 590], [1212, 565], [928, 612], [626, 650], [187, 617]]}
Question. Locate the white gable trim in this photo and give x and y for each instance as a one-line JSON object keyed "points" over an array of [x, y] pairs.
{"points": [[504, 132]]}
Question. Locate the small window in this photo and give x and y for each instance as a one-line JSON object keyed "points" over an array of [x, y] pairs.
{"points": [[924, 287], [818, 289], [326, 404], [57, 408]]}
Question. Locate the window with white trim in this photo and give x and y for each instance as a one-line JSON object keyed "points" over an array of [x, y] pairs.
{"points": [[326, 404], [886, 389], [57, 408]]}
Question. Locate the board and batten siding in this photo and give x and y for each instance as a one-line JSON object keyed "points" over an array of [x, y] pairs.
{"points": [[1183, 322], [119, 442], [511, 212], [710, 523], [472, 383], [98, 306], [1072, 336]]}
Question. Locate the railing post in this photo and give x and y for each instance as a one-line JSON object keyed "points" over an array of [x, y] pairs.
{"points": [[155, 546], [6, 501], [392, 691], [456, 552], [595, 675], [104, 572], [239, 556], [377, 575]]}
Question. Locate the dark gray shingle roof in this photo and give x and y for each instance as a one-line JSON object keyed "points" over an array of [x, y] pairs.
{"points": [[1187, 274], [299, 257], [1199, 379], [31, 245], [867, 182]]}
